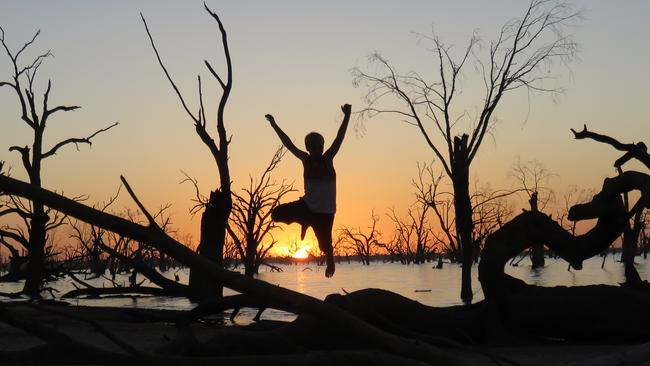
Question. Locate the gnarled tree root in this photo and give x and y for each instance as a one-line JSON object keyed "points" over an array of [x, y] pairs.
{"points": [[530, 228]]}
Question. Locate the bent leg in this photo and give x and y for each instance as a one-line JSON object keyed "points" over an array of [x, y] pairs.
{"points": [[322, 226], [291, 212]]}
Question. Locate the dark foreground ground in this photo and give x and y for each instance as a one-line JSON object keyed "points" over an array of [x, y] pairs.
{"points": [[153, 331]]}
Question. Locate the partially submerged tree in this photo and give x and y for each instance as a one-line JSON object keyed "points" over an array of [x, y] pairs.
{"points": [[360, 243], [413, 237], [251, 223], [400, 246], [490, 211], [571, 197], [419, 213], [518, 58], [121, 254], [532, 177], [89, 240], [214, 219], [607, 206], [35, 112]]}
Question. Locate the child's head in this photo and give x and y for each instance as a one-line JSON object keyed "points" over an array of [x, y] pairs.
{"points": [[314, 143]]}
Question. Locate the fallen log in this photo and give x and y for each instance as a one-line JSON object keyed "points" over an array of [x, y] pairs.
{"points": [[534, 314]]}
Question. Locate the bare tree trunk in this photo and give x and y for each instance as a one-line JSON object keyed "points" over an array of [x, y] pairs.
{"points": [[419, 253], [537, 257], [37, 226], [463, 210], [214, 219], [630, 248], [213, 235], [250, 260], [36, 254]]}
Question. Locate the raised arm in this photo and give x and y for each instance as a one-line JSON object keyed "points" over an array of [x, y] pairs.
{"points": [[336, 145], [286, 141]]}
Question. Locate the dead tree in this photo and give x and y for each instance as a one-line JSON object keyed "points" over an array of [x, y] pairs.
{"points": [[571, 197], [121, 254], [534, 226], [532, 177], [35, 112], [517, 59], [89, 240], [250, 223], [418, 214], [362, 244], [490, 211], [400, 246], [632, 230], [214, 219]]}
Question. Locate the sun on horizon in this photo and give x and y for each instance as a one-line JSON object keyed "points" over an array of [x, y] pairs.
{"points": [[302, 252]]}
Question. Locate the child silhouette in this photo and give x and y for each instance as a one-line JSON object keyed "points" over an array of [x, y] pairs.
{"points": [[317, 207]]}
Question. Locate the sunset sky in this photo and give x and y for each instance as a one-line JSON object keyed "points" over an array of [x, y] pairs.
{"points": [[293, 59]]}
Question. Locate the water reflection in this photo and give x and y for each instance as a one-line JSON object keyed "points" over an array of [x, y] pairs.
{"points": [[423, 283], [536, 277]]}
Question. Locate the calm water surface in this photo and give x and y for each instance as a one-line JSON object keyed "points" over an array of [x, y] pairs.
{"points": [[423, 283]]}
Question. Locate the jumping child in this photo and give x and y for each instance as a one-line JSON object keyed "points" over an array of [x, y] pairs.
{"points": [[317, 207]]}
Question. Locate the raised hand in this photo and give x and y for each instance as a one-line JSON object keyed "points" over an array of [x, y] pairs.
{"points": [[347, 109], [270, 118]]}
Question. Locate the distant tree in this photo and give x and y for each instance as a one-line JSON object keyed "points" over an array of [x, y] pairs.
{"points": [[216, 210], [89, 240], [413, 238], [400, 246], [442, 204], [35, 111], [571, 197], [490, 210], [231, 257], [250, 224], [519, 58], [418, 214], [360, 243], [532, 178]]}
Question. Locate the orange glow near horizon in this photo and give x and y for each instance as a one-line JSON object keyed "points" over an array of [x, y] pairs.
{"points": [[302, 253], [298, 249]]}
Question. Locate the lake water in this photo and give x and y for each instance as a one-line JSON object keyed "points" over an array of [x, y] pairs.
{"points": [[423, 283]]}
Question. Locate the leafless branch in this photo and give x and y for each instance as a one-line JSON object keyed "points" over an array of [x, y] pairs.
{"points": [[76, 141]]}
